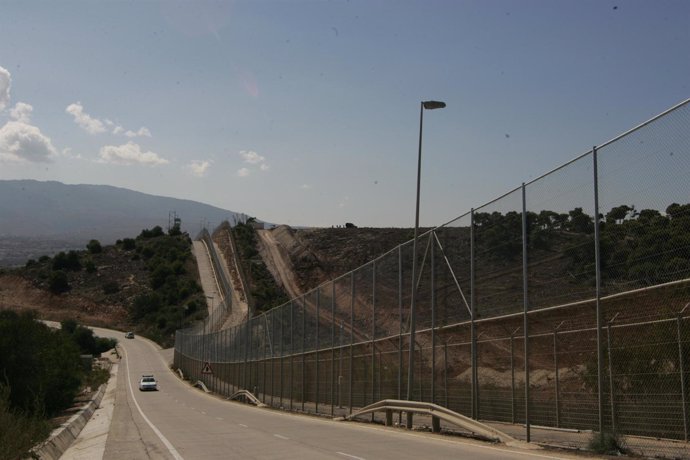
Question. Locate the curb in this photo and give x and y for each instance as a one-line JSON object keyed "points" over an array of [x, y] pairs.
{"points": [[63, 436]]}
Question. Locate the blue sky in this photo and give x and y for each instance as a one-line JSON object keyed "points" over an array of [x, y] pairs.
{"points": [[307, 112]]}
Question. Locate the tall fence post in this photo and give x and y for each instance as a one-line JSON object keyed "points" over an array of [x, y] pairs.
{"points": [[512, 375], [597, 271], [304, 360], [246, 353], [445, 371], [473, 326], [316, 351], [332, 348], [681, 366], [373, 335], [282, 353], [612, 397], [292, 352], [525, 309], [352, 333], [433, 318], [340, 367], [555, 365], [273, 354], [400, 328], [264, 365]]}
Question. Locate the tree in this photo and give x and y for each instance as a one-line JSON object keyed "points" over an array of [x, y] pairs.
{"points": [[94, 247], [580, 222], [69, 261], [41, 366], [619, 213], [57, 282]]}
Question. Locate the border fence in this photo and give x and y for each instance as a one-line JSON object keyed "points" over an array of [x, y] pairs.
{"points": [[561, 304]]}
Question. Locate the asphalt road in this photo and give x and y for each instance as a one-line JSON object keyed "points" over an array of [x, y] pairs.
{"points": [[179, 421]]}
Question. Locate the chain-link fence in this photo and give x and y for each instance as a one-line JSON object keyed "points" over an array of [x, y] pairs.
{"points": [[555, 310]]}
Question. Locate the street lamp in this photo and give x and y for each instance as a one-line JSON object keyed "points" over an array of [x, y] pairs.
{"points": [[428, 105]]}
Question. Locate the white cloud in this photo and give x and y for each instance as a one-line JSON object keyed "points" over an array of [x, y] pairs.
{"points": [[21, 141], [5, 83], [84, 120], [129, 154], [67, 153], [22, 112], [251, 157], [254, 159], [199, 168], [94, 125], [343, 202], [143, 132]]}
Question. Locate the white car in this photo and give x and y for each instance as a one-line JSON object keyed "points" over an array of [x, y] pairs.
{"points": [[148, 382]]}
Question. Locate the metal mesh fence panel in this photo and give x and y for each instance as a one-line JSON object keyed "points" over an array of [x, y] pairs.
{"points": [[560, 229], [646, 205], [601, 310], [498, 256]]}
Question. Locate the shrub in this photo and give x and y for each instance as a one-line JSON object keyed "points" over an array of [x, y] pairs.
{"points": [[128, 244], [69, 261], [90, 267], [57, 282], [19, 430], [606, 444], [42, 366], [94, 247], [111, 287], [154, 232]]}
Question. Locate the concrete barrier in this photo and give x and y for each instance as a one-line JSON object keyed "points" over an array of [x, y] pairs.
{"points": [[63, 436]]}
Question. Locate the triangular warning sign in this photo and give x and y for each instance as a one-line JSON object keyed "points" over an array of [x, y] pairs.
{"points": [[207, 368]]}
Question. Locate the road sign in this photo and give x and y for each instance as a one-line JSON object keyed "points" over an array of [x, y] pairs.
{"points": [[207, 368]]}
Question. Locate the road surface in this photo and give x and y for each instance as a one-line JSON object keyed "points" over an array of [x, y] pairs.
{"points": [[179, 421]]}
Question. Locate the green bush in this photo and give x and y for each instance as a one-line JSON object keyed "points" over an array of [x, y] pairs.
{"points": [[111, 287], [94, 247], [69, 261], [90, 267], [41, 366], [129, 244], [57, 282], [19, 431], [606, 444]]}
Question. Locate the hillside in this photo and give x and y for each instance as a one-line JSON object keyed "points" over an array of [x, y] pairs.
{"points": [[148, 284], [41, 218]]}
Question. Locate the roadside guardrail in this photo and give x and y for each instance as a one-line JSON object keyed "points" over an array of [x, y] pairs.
{"points": [[247, 396], [437, 414]]}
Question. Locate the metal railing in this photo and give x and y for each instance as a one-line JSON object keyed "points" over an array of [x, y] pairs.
{"points": [[223, 306], [557, 304], [437, 413]]}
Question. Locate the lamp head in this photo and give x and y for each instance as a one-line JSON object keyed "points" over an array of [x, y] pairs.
{"points": [[431, 105]]}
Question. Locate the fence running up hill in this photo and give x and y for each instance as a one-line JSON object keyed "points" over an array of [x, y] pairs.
{"points": [[559, 304]]}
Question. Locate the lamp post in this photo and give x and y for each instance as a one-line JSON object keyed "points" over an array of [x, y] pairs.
{"points": [[428, 105]]}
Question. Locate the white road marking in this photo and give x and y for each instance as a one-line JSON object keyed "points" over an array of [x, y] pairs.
{"points": [[165, 441], [349, 456], [203, 412], [281, 437], [243, 425], [219, 418]]}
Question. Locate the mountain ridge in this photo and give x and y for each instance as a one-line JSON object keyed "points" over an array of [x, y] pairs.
{"points": [[32, 212]]}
